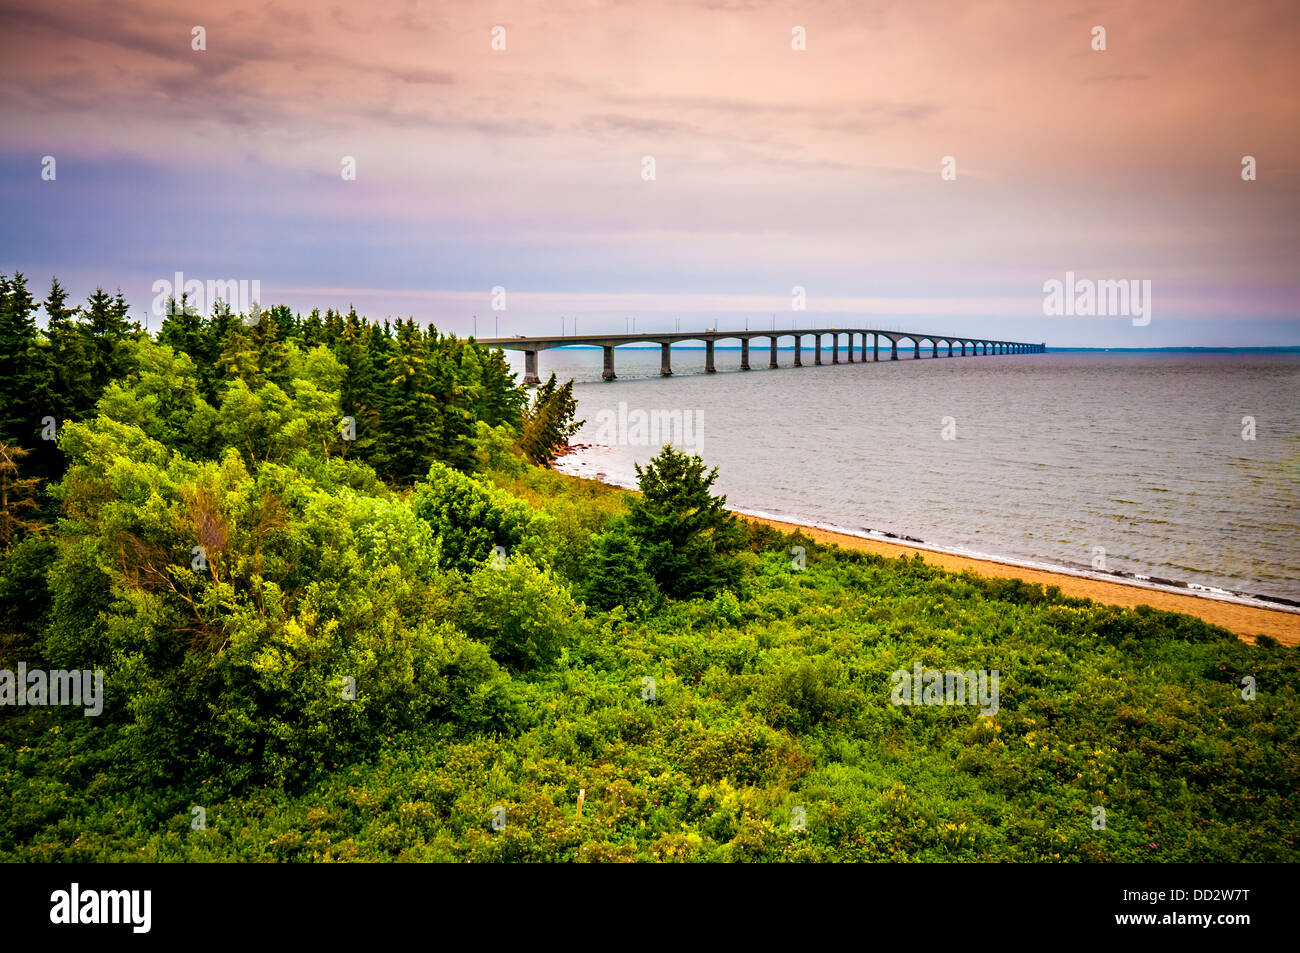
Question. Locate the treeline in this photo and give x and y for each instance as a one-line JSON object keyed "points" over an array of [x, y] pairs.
{"points": [[249, 513], [407, 396]]}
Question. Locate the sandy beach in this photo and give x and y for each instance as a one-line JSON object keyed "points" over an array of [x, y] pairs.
{"points": [[1246, 621]]}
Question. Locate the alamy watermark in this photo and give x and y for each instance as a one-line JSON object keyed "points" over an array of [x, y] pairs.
{"points": [[76, 687], [933, 687], [1105, 298], [129, 907], [684, 429], [242, 295]]}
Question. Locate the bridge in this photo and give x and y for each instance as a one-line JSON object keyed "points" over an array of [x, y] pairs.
{"points": [[532, 345]]}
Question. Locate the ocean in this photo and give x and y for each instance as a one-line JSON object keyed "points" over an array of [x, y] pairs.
{"points": [[1181, 466]]}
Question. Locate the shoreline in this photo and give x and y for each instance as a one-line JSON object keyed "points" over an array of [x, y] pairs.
{"points": [[1233, 613], [1246, 621]]}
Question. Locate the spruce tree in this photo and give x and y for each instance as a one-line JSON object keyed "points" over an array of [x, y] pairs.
{"points": [[23, 393], [18, 497], [412, 420], [686, 535], [548, 423]]}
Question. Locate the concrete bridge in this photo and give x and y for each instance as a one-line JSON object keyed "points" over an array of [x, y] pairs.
{"points": [[532, 345]]}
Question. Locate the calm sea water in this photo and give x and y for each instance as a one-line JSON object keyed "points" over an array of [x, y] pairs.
{"points": [[1054, 458]]}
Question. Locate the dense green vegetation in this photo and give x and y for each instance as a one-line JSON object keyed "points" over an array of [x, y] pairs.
{"points": [[203, 532]]}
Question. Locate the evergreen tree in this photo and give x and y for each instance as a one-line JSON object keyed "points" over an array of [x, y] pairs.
{"points": [[183, 329], [350, 338], [108, 328], [268, 345], [18, 499], [455, 436], [685, 533], [312, 330], [502, 401], [412, 420], [616, 573], [239, 360], [216, 333], [70, 370], [548, 423], [22, 392]]}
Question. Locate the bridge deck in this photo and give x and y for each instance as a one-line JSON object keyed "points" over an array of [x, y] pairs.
{"points": [[532, 345], [543, 342]]}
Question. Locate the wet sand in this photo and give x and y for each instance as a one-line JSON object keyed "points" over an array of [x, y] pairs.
{"points": [[1246, 621]]}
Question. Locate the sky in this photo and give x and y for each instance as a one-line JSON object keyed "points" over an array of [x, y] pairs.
{"points": [[774, 168]]}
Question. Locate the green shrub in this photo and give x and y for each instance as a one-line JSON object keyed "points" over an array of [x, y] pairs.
{"points": [[470, 518]]}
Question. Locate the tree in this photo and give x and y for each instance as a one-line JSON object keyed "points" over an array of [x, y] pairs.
{"points": [[454, 397], [109, 329], [470, 517], [266, 338], [238, 360], [17, 496], [71, 371], [686, 535], [161, 397], [412, 419], [548, 423], [182, 329], [616, 573], [21, 389], [524, 615], [502, 401]]}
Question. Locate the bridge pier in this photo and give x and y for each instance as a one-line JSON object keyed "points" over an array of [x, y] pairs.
{"points": [[533, 346]]}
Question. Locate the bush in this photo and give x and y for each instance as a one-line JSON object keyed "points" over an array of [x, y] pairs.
{"points": [[616, 573], [523, 614], [469, 517]]}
